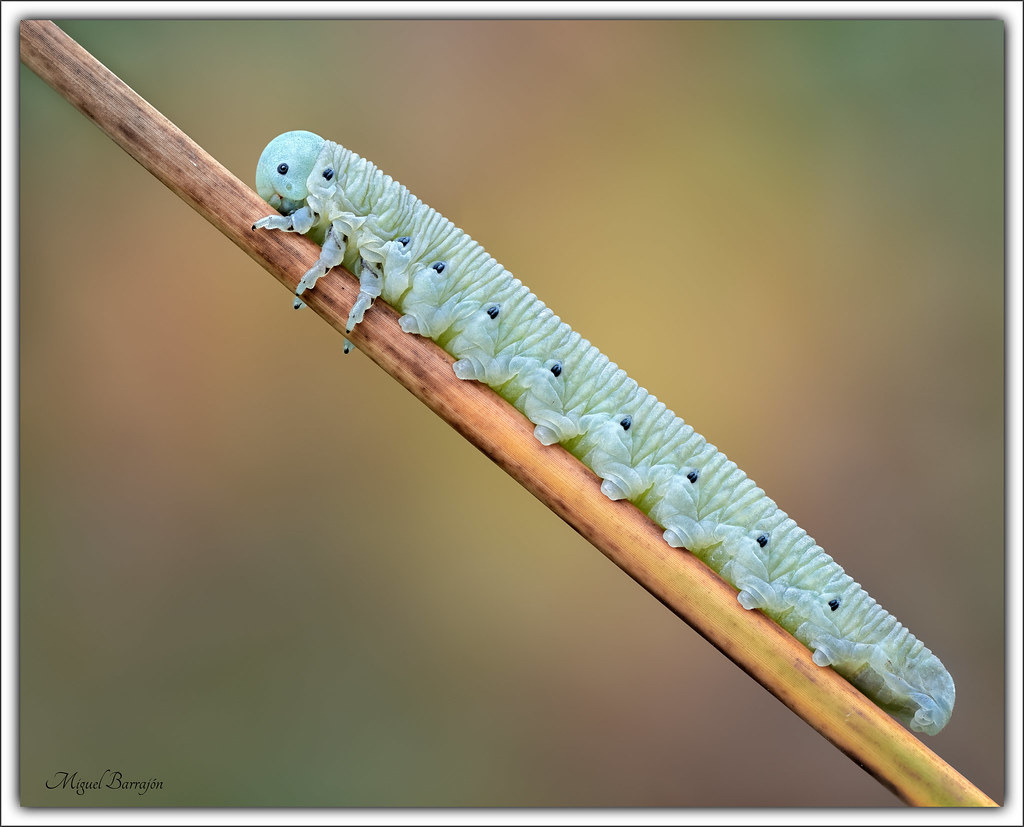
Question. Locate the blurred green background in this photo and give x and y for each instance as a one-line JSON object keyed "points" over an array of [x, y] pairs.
{"points": [[262, 573]]}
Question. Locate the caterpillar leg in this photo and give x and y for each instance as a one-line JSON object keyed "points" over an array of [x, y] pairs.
{"points": [[426, 312], [682, 531], [301, 221], [331, 255], [370, 282]]}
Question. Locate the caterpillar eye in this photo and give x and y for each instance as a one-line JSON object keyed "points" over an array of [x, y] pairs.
{"points": [[692, 476], [626, 422], [438, 267], [556, 368], [282, 169], [493, 311], [404, 240], [833, 604], [328, 173], [762, 540]]}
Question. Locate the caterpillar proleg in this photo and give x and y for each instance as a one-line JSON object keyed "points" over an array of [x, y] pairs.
{"points": [[450, 290]]}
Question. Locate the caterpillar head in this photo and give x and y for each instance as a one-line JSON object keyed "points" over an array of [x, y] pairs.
{"points": [[284, 167]]}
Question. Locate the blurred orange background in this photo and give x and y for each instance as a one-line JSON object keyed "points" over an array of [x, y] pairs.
{"points": [[262, 573]]}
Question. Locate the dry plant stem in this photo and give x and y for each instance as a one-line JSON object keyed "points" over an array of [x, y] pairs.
{"points": [[685, 585]]}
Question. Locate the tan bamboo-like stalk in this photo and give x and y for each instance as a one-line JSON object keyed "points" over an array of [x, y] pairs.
{"points": [[685, 585]]}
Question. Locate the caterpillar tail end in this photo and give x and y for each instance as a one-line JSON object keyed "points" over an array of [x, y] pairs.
{"points": [[936, 698]]}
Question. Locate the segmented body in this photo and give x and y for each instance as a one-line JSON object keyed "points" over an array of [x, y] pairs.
{"points": [[450, 290]]}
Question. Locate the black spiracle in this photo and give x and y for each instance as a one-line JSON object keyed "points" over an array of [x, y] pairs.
{"points": [[328, 174], [626, 422], [404, 240], [692, 476], [833, 604], [762, 540], [556, 368], [438, 267], [493, 311]]}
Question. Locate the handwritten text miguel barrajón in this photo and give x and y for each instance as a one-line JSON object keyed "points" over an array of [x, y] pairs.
{"points": [[109, 780]]}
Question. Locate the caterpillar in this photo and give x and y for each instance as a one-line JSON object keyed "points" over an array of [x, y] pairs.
{"points": [[450, 290]]}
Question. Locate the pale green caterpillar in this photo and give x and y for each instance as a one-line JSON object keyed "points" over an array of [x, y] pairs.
{"points": [[450, 290]]}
